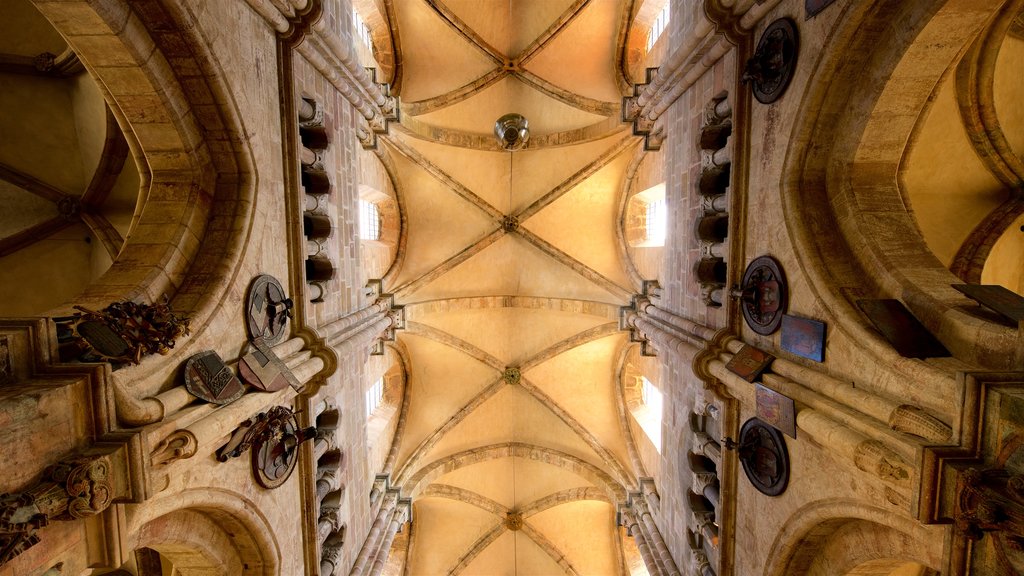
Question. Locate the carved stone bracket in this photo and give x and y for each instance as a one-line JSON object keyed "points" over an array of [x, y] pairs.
{"points": [[69, 490], [178, 445]]}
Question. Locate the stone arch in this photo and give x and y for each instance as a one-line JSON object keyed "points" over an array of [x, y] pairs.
{"points": [[842, 174], [207, 528], [162, 81], [428, 473], [837, 536]]}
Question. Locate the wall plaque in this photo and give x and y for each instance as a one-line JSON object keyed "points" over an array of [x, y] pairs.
{"points": [[771, 68], [776, 409], [274, 437], [762, 452], [1006, 302], [906, 334], [208, 378], [803, 337], [763, 300], [813, 7], [262, 369], [267, 310], [749, 362]]}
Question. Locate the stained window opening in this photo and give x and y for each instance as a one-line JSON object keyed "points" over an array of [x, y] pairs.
{"points": [[650, 420], [362, 31], [656, 222], [374, 397], [660, 23], [369, 221]]}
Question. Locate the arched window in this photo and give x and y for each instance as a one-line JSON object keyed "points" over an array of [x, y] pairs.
{"points": [[647, 218], [650, 412], [374, 397], [660, 24], [369, 220]]}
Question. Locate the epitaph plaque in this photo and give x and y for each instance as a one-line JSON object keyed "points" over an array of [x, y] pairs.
{"points": [[749, 362], [1006, 302], [777, 410], [208, 378], [907, 335], [803, 337]]}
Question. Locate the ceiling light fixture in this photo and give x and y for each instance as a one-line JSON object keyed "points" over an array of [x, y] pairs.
{"points": [[512, 131]]}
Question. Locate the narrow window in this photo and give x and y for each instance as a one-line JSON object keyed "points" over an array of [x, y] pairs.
{"points": [[660, 23], [650, 419], [369, 221], [374, 397], [656, 220], [362, 32]]}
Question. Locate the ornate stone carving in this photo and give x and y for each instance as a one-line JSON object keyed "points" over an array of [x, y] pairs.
{"points": [[913, 420], [178, 445], [69, 490], [512, 375], [762, 451], [991, 502], [274, 437], [763, 296], [702, 480], [513, 521], [121, 333], [874, 457], [774, 61]]}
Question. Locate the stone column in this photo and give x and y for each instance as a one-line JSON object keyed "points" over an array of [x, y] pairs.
{"points": [[667, 563], [633, 528], [398, 517], [373, 537]]}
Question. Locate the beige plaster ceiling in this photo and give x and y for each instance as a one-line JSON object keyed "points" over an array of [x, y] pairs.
{"points": [[542, 297], [61, 146]]}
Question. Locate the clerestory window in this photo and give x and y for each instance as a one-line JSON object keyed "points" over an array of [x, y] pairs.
{"points": [[650, 415], [660, 23], [369, 220]]}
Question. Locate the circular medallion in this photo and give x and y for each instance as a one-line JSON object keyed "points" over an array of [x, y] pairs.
{"points": [[275, 453], [267, 309], [764, 295], [762, 451], [771, 68]]}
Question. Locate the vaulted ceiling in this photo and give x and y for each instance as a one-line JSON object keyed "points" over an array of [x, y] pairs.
{"points": [[515, 447]]}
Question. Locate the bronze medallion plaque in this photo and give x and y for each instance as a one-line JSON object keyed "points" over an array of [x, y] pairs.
{"points": [[771, 68], [274, 437], [905, 332], [262, 369], [208, 378], [764, 295], [267, 309], [1008, 303], [776, 409], [762, 451], [813, 7], [749, 362]]}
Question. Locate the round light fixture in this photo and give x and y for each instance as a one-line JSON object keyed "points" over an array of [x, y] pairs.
{"points": [[512, 131]]}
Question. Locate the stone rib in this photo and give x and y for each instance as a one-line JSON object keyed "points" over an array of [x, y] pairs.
{"points": [[449, 264], [479, 546], [591, 105], [569, 343], [462, 29], [564, 497], [571, 182], [455, 96], [442, 337], [577, 266], [430, 441], [556, 28], [443, 177], [549, 548], [465, 496], [574, 424]]}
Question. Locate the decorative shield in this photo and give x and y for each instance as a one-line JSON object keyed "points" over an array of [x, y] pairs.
{"points": [[771, 68], [764, 295], [262, 369], [267, 310], [762, 451], [208, 378], [749, 362]]}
